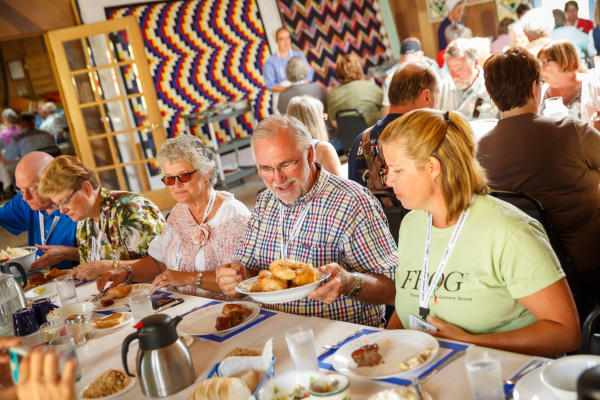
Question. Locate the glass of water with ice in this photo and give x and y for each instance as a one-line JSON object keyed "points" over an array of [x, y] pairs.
{"points": [[141, 306], [65, 286], [484, 373], [301, 344]]}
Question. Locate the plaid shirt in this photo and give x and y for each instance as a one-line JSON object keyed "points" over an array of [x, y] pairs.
{"points": [[344, 224]]}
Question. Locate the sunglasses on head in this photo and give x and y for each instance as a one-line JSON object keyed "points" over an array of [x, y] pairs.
{"points": [[183, 178]]}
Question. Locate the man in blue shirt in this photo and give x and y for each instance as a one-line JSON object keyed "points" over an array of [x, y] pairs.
{"points": [[274, 68], [52, 232]]}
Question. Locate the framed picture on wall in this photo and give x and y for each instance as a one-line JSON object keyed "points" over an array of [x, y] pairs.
{"points": [[15, 70], [436, 9]]}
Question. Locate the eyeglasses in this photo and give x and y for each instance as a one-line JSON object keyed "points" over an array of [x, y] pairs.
{"points": [[31, 191], [66, 201], [183, 178], [283, 168]]}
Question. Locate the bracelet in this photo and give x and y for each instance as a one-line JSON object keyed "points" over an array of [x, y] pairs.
{"points": [[129, 272], [199, 279]]}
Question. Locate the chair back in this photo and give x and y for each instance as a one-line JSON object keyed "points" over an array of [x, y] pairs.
{"points": [[350, 123], [53, 150], [393, 210]]}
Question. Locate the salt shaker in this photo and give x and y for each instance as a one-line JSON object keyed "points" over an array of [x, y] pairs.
{"points": [[80, 328]]}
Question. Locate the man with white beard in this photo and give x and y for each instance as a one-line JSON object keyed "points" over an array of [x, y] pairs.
{"points": [[464, 91]]}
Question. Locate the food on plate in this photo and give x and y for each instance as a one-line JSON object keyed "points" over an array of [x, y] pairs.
{"points": [[107, 302], [110, 382], [397, 393], [299, 392], [283, 274], [232, 315], [416, 360], [38, 278], [221, 388], [367, 355], [118, 291], [240, 351], [13, 252], [250, 378], [108, 321], [55, 273]]}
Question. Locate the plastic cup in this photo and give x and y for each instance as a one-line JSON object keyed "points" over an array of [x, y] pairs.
{"points": [[485, 374], [301, 345]]}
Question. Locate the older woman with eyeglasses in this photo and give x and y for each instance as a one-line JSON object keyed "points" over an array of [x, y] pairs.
{"points": [[203, 229], [114, 227]]}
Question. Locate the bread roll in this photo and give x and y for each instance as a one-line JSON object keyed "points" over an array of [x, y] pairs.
{"points": [[109, 321], [222, 388], [250, 378], [118, 292]]}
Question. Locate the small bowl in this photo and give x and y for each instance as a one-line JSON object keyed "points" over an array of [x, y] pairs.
{"points": [[561, 376], [286, 383], [331, 387], [84, 308], [27, 259]]}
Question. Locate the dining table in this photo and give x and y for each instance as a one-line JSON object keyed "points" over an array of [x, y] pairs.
{"points": [[103, 351]]}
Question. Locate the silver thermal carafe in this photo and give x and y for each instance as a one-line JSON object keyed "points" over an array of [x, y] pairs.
{"points": [[164, 364], [12, 297]]}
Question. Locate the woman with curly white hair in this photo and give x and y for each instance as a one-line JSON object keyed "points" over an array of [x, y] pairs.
{"points": [[203, 229]]}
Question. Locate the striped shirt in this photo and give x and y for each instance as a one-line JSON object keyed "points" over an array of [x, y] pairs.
{"points": [[344, 224]]}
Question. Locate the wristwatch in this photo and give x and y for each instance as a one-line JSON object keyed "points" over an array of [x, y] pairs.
{"points": [[126, 268], [355, 289]]}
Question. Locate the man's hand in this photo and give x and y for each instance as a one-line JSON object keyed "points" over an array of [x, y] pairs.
{"points": [[229, 275], [92, 270], [39, 378], [53, 254], [5, 376], [339, 282]]}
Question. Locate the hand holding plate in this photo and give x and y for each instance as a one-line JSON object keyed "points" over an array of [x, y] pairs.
{"points": [[229, 275], [332, 289]]}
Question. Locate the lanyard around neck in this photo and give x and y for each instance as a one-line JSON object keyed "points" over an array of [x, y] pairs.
{"points": [[426, 291], [293, 232], [44, 238]]}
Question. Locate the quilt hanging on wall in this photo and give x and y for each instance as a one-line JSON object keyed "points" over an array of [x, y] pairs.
{"points": [[202, 53], [326, 29]]}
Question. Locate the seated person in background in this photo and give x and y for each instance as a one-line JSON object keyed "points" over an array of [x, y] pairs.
{"points": [[354, 91], [52, 232], [501, 284], [593, 48], [515, 31], [553, 159], [464, 91], [571, 10], [114, 228], [538, 25], [569, 34], [310, 112], [54, 123], [9, 119], [311, 216], [414, 85], [203, 230], [274, 68], [30, 139], [453, 32], [456, 10], [502, 40], [559, 74], [296, 71]]}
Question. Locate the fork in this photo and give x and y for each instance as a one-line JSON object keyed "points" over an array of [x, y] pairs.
{"points": [[338, 344], [534, 365]]}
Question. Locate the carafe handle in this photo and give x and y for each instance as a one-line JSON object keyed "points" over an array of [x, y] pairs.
{"points": [[125, 349], [5, 267]]}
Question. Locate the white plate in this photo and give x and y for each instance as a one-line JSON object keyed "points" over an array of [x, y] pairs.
{"points": [[395, 346], [399, 391], [138, 288], [279, 296], [531, 387], [286, 383], [202, 321], [127, 388], [127, 318], [48, 290]]}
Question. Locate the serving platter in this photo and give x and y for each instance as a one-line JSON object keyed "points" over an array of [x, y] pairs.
{"points": [[279, 296]]}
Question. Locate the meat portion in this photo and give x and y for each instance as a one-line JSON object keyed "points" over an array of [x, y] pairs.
{"points": [[232, 315], [367, 355]]}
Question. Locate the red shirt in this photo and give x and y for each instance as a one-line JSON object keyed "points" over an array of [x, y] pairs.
{"points": [[584, 24]]}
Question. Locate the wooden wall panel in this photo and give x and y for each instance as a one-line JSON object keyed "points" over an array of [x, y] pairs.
{"points": [[22, 18]]}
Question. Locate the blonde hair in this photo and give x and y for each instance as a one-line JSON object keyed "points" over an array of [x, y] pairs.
{"points": [[348, 68], [63, 173], [448, 137], [564, 54], [310, 112]]}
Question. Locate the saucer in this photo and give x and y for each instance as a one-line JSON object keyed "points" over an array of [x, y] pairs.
{"points": [[531, 387]]}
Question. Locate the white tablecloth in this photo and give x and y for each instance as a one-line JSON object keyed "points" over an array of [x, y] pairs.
{"points": [[104, 352]]}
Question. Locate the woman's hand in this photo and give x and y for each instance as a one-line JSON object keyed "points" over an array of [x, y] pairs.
{"points": [[6, 381], [229, 275], [92, 270], [39, 378], [116, 275], [447, 330], [170, 277], [339, 280]]}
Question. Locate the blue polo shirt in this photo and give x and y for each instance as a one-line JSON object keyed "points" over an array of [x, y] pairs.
{"points": [[16, 217]]}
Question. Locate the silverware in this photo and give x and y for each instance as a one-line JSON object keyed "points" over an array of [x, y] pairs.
{"points": [[534, 365], [416, 383], [96, 297], [338, 344]]}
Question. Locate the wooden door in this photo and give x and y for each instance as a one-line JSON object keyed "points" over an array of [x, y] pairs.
{"points": [[111, 104]]}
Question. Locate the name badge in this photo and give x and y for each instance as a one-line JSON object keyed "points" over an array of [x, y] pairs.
{"points": [[417, 324]]}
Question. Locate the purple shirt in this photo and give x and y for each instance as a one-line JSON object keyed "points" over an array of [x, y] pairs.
{"points": [[7, 134]]}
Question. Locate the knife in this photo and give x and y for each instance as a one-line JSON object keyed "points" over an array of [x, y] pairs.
{"points": [[96, 297], [434, 371]]}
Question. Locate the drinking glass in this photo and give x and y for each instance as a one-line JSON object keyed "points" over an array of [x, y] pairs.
{"points": [[64, 346], [301, 344], [141, 306], [65, 286], [485, 374], [53, 329]]}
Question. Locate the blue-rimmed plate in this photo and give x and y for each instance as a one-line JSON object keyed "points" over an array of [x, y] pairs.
{"points": [[279, 296]]}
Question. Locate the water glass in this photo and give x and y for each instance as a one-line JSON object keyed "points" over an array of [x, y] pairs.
{"points": [[53, 329], [64, 346], [485, 374], [141, 306], [301, 344], [65, 286]]}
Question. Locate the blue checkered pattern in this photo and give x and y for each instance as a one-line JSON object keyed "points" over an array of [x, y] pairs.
{"points": [[344, 224]]}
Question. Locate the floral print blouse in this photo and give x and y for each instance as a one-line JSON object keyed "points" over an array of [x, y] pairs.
{"points": [[128, 223]]}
